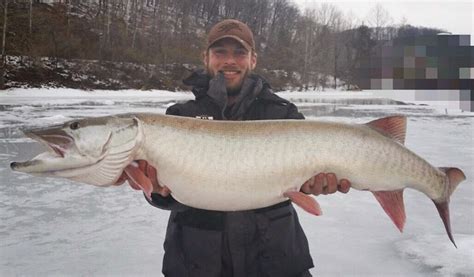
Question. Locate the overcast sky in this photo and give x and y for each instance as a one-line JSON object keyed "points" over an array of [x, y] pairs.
{"points": [[454, 16]]}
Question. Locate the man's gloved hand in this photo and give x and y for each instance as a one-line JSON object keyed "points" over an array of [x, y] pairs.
{"points": [[325, 183], [140, 174]]}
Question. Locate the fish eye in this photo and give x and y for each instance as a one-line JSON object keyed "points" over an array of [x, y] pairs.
{"points": [[74, 125]]}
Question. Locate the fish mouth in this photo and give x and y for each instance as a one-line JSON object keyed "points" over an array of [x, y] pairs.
{"points": [[56, 140], [61, 154]]}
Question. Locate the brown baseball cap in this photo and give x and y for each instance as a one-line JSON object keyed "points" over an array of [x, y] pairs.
{"points": [[231, 28]]}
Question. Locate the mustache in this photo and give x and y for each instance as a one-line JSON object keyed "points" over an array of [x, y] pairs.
{"points": [[229, 69]]}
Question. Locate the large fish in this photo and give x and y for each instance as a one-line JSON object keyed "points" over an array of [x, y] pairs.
{"points": [[230, 166]]}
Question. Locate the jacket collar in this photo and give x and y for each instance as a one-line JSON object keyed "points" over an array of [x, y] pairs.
{"points": [[203, 85]]}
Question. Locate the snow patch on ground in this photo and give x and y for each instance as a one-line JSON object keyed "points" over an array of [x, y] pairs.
{"points": [[21, 95], [436, 252]]}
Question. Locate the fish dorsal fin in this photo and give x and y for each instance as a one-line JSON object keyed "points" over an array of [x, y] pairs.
{"points": [[393, 127]]}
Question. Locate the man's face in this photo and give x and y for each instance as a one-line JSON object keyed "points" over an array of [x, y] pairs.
{"points": [[231, 58]]}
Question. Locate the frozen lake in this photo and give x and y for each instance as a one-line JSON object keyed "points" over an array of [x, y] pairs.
{"points": [[56, 227]]}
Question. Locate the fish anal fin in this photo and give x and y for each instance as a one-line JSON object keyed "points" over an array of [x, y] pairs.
{"points": [[393, 127], [392, 204], [304, 201]]}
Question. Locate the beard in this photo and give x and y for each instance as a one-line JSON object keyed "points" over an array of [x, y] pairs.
{"points": [[231, 90], [234, 91]]}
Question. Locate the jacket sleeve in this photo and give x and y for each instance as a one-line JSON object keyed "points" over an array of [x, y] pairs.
{"points": [[173, 110], [278, 107], [293, 112], [167, 203]]}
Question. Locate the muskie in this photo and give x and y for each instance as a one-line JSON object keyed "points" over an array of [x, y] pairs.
{"points": [[231, 166]]}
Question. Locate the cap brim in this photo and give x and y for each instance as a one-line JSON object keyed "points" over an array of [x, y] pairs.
{"points": [[241, 41]]}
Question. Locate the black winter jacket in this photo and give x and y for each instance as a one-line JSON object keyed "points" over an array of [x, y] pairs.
{"points": [[257, 100], [263, 242]]}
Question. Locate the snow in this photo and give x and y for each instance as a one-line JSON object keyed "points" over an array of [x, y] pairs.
{"points": [[460, 263], [64, 95], [56, 227], [443, 101]]}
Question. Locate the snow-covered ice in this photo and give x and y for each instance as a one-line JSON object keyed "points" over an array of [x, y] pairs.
{"points": [[56, 227], [443, 257]]}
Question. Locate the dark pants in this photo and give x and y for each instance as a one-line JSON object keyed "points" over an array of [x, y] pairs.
{"points": [[265, 242]]}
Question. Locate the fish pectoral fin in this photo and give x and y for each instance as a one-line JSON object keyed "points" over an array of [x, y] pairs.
{"points": [[304, 201], [393, 127], [392, 204], [138, 180]]}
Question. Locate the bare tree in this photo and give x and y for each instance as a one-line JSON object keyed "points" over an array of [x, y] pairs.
{"points": [[341, 24], [378, 19], [4, 38], [307, 27], [403, 21], [278, 9], [211, 8], [126, 16], [30, 17], [108, 22], [5, 16], [136, 27], [317, 34], [325, 31]]}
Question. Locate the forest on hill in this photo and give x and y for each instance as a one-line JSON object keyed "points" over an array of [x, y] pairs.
{"points": [[154, 43]]}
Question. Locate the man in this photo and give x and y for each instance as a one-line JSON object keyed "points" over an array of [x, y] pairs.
{"points": [[262, 242]]}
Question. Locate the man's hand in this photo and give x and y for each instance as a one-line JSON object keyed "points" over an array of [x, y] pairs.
{"points": [[325, 183], [141, 174]]}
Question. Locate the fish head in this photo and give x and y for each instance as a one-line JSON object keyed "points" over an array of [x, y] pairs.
{"points": [[93, 151]]}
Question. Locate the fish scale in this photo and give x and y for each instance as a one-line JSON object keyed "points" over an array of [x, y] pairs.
{"points": [[314, 149]]}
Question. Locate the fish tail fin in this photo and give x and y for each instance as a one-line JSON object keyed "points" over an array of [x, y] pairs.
{"points": [[454, 176], [392, 204]]}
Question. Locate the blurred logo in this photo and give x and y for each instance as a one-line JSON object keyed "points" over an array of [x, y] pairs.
{"points": [[206, 117]]}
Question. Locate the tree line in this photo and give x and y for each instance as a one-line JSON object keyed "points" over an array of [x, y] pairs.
{"points": [[311, 48]]}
